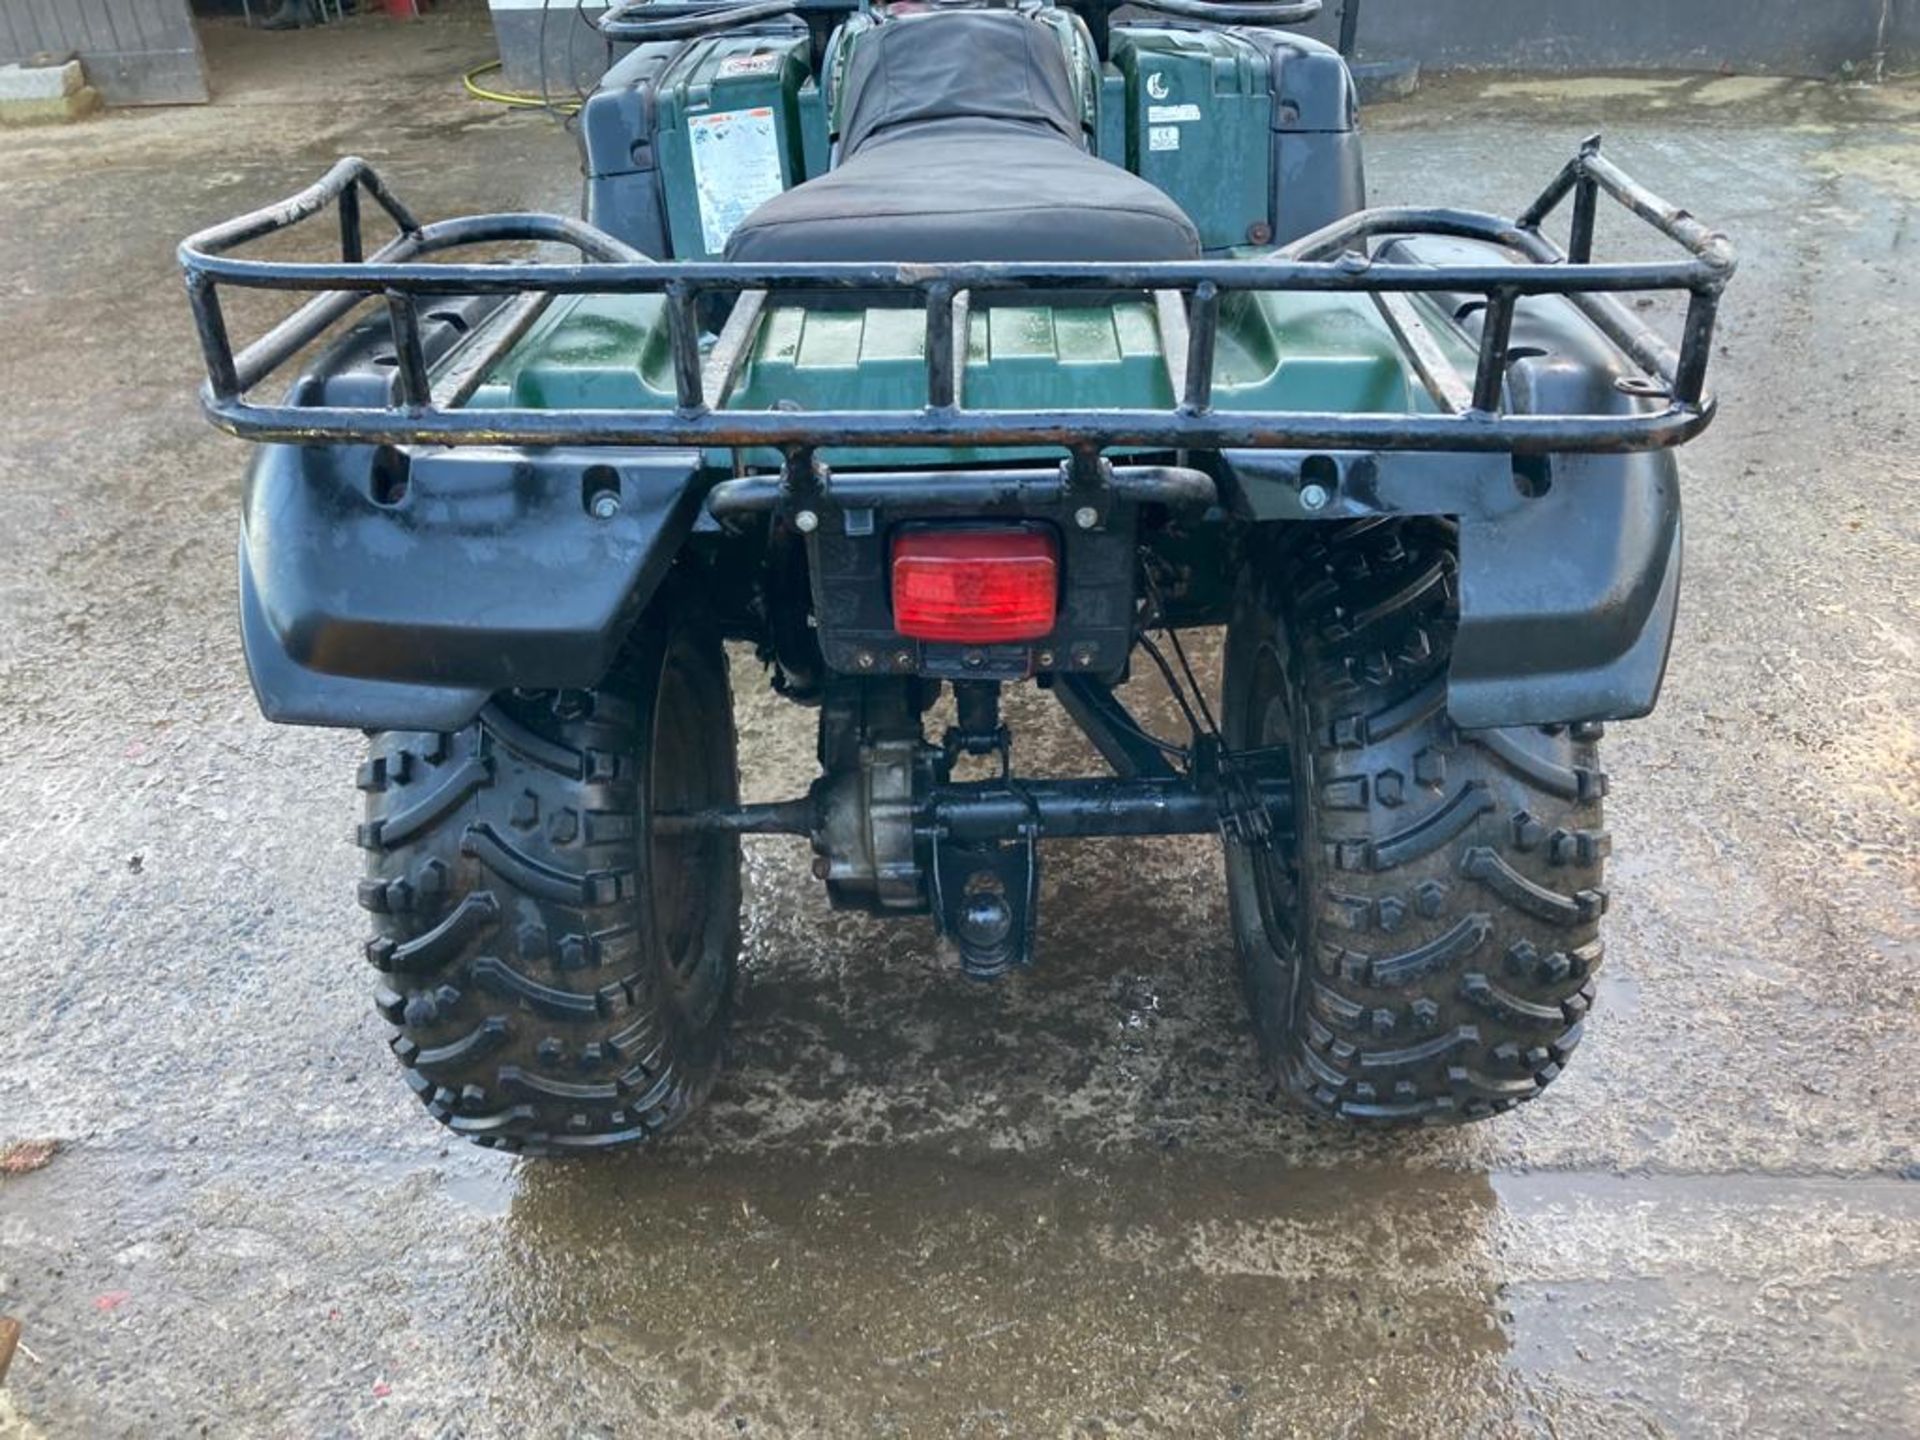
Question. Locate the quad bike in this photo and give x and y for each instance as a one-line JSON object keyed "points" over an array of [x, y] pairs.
{"points": [[928, 349]]}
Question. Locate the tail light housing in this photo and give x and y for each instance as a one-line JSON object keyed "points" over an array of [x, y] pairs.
{"points": [[976, 586]]}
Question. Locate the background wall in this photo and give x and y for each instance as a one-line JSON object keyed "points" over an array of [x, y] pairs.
{"points": [[1789, 37], [136, 52], [1778, 37]]}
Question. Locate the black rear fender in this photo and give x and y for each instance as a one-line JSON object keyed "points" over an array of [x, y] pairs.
{"points": [[1569, 564], [385, 588]]}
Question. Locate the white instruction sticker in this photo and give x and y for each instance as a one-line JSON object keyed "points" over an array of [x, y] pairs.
{"points": [[1163, 137], [1172, 114], [736, 168]]}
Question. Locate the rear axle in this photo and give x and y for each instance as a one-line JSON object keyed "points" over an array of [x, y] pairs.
{"points": [[1088, 809]]}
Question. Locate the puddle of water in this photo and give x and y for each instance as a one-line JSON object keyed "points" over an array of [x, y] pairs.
{"points": [[1010, 1294], [1720, 1304]]}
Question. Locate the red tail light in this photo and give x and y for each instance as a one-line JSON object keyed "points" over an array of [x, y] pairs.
{"points": [[975, 587]]}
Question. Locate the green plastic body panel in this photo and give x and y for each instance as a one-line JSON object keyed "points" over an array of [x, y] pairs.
{"points": [[1110, 135], [725, 76], [1199, 116], [1286, 352]]}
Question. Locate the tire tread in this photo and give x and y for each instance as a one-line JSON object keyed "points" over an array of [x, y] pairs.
{"points": [[504, 879], [1455, 890]]}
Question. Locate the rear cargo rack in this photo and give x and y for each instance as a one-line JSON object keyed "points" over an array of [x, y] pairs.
{"points": [[1469, 411]]}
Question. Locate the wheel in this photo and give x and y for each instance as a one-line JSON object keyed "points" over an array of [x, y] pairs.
{"points": [[560, 977], [1419, 947]]}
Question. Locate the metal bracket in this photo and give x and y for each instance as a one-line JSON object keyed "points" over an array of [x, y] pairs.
{"points": [[986, 900]]}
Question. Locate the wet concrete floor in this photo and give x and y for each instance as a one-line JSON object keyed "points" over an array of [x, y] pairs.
{"points": [[916, 1207]]}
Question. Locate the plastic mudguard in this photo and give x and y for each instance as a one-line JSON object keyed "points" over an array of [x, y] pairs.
{"points": [[1567, 608], [1567, 600], [1569, 564], [383, 589]]}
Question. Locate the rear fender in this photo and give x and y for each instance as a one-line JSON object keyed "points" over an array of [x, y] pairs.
{"points": [[1570, 565], [392, 591], [384, 588], [1568, 600], [1567, 606]]}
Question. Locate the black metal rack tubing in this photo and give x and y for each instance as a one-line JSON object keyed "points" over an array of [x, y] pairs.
{"points": [[1331, 260], [965, 491]]}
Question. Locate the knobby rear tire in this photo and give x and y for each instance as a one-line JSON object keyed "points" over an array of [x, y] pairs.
{"points": [[1423, 951], [558, 978]]}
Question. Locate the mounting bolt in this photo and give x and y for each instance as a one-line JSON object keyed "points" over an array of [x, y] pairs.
{"points": [[1083, 655], [864, 660], [974, 659], [1314, 497], [806, 522], [1086, 517], [903, 660], [606, 505], [1044, 659]]}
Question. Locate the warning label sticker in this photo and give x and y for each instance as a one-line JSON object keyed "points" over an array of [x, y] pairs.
{"points": [[736, 168], [1172, 114], [1163, 137]]}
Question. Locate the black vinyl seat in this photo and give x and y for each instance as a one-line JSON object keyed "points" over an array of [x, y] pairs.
{"points": [[962, 142]]}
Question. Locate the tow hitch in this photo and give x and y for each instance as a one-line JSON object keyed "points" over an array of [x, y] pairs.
{"points": [[894, 833]]}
